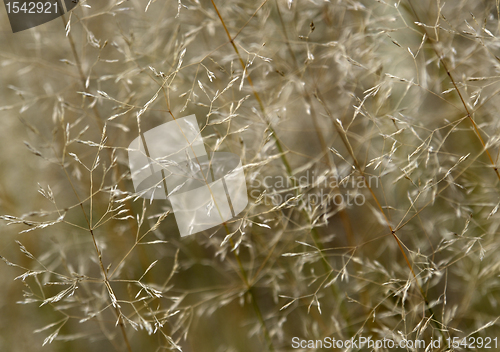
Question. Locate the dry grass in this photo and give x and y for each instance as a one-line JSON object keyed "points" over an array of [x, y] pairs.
{"points": [[394, 105]]}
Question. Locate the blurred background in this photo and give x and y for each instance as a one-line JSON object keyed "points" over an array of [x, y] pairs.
{"points": [[369, 137]]}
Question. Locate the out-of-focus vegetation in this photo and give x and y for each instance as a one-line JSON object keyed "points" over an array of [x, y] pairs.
{"points": [[369, 135]]}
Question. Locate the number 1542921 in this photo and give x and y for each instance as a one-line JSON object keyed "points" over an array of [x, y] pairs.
{"points": [[31, 7]]}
